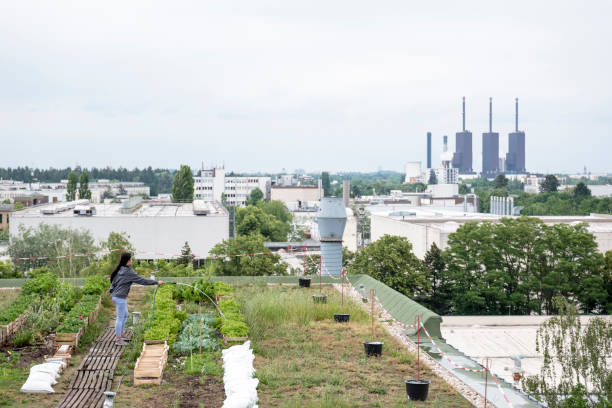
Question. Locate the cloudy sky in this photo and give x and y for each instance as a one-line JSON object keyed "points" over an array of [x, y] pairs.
{"points": [[266, 85]]}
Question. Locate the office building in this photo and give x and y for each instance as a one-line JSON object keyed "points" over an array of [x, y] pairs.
{"points": [[213, 183]]}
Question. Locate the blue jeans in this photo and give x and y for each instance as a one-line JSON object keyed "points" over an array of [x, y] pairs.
{"points": [[122, 315]]}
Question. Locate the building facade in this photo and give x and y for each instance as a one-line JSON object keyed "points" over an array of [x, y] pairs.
{"points": [[213, 184]]}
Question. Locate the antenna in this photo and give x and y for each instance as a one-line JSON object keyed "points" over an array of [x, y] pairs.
{"points": [[516, 115], [464, 113], [490, 115]]}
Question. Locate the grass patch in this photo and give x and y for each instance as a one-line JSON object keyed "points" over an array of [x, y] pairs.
{"points": [[305, 359], [8, 296]]}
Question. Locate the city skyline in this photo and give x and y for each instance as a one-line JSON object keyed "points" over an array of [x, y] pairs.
{"points": [[322, 87]]}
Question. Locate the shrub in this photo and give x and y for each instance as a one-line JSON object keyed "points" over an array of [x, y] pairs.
{"points": [[41, 284], [96, 285], [23, 338]]}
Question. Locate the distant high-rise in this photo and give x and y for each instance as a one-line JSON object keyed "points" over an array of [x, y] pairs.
{"points": [[490, 148], [515, 158], [462, 159], [429, 150]]}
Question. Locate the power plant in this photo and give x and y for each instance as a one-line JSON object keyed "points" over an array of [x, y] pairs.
{"points": [[429, 150], [515, 158], [462, 159], [490, 148]]}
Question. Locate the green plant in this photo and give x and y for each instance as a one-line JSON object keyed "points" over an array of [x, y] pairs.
{"points": [[41, 284], [166, 320], [95, 285], [75, 319], [12, 311], [67, 295], [23, 338]]}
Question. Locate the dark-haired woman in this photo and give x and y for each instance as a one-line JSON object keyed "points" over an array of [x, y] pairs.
{"points": [[121, 281]]}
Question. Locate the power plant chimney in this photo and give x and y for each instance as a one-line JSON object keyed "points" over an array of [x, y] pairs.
{"points": [[490, 115], [445, 145], [429, 150], [516, 115], [463, 114]]}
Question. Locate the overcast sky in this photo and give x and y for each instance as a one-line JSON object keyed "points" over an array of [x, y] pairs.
{"points": [[266, 85]]}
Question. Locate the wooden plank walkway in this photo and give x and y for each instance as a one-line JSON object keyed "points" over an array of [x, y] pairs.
{"points": [[95, 374]]}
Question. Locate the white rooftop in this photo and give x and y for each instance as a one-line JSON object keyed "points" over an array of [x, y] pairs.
{"points": [[147, 209]]}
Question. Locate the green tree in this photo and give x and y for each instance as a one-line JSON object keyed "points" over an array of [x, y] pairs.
{"points": [[186, 257], [463, 189], [573, 360], [182, 185], [277, 209], [581, 190], [253, 220], [432, 177], [438, 296], [326, 183], [501, 181], [7, 201], [255, 197], [246, 264], [19, 206], [550, 184], [84, 191], [52, 241], [71, 187], [391, 261]]}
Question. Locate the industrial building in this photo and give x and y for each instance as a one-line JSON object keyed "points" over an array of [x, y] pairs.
{"points": [[295, 194], [212, 184], [413, 172], [424, 226], [515, 158], [462, 158], [156, 229], [429, 150], [490, 148]]}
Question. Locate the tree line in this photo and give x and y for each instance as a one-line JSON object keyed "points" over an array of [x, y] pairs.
{"points": [[516, 266]]}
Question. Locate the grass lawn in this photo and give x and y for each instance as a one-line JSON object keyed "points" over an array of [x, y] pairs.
{"points": [[305, 359]]}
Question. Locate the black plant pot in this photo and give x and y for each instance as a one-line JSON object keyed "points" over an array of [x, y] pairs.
{"points": [[304, 282], [373, 348], [319, 298], [417, 389], [342, 317]]}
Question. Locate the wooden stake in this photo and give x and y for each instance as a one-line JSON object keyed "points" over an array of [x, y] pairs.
{"points": [[418, 348], [372, 296], [486, 379], [200, 329]]}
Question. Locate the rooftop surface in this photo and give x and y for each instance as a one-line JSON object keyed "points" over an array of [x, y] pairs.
{"points": [[147, 209]]}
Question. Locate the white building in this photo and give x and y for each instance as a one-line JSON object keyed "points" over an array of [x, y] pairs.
{"points": [[213, 183], [413, 172], [157, 230], [424, 227]]}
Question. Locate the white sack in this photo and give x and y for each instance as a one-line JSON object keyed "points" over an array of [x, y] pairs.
{"points": [[38, 382], [240, 386]]}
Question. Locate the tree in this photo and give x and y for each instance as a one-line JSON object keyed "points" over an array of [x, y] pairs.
{"points": [[246, 264], [52, 241], [19, 206], [182, 186], [574, 365], [326, 183], [7, 201], [581, 190], [71, 187], [255, 197], [186, 256], [463, 189], [550, 184], [391, 261], [253, 220], [84, 191], [438, 296], [432, 177], [107, 193], [501, 181]]}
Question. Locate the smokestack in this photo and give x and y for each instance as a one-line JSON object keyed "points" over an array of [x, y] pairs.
{"points": [[429, 150], [445, 148], [490, 115], [463, 114], [516, 115], [346, 192]]}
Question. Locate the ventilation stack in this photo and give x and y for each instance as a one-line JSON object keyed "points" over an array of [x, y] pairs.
{"points": [[331, 220]]}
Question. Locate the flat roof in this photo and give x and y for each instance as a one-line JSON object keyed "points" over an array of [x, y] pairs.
{"points": [[147, 209]]}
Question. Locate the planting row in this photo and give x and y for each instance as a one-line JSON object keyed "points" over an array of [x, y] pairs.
{"points": [[166, 319]]}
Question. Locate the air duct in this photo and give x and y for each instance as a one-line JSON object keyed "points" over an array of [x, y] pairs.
{"points": [[331, 220]]}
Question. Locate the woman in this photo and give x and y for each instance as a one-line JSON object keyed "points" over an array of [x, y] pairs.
{"points": [[121, 280]]}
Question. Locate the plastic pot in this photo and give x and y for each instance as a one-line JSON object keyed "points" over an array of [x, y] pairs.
{"points": [[304, 282], [342, 317], [373, 348], [417, 389], [319, 298]]}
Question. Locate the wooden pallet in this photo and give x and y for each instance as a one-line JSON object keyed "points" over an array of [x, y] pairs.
{"points": [[150, 365], [95, 373], [227, 340]]}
